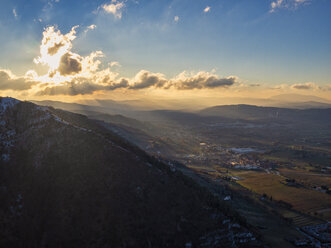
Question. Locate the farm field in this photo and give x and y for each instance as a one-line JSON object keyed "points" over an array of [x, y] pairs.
{"points": [[304, 200], [272, 228], [299, 219], [306, 177]]}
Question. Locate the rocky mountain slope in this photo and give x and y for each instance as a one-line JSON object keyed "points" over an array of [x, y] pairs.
{"points": [[67, 181]]}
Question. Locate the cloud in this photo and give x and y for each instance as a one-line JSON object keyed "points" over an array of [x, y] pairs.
{"points": [[91, 27], [183, 81], [54, 49], [10, 82], [90, 63], [286, 4], [15, 13], [254, 85], [53, 46], [200, 80], [145, 79], [207, 9], [142, 80], [55, 52], [176, 18], [72, 74], [70, 64], [311, 86], [276, 4], [305, 86], [114, 8], [122, 83], [114, 63], [84, 86], [75, 87]]}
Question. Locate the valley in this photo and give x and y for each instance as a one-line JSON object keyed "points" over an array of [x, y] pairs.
{"points": [[280, 164]]}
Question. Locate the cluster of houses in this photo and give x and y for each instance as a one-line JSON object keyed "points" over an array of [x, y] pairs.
{"points": [[234, 158], [317, 236], [322, 232]]}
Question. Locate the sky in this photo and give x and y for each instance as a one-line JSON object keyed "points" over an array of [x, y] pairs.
{"points": [[127, 49]]}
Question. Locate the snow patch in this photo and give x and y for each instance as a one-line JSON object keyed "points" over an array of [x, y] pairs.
{"points": [[58, 119], [5, 157], [7, 102]]}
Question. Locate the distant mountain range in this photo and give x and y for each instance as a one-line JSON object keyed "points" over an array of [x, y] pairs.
{"points": [[130, 107], [113, 112], [69, 181], [249, 112]]}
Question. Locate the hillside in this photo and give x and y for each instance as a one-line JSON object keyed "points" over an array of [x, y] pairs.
{"points": [[251, 112], [67, 181], [109, 107]]}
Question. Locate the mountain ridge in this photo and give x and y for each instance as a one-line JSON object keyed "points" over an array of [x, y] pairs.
{"points": [[70, 182]]}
